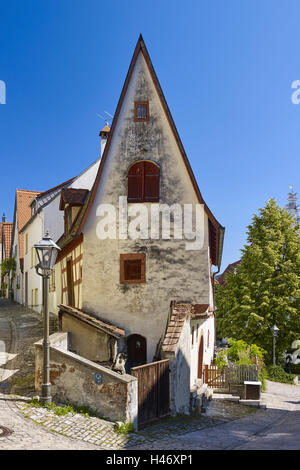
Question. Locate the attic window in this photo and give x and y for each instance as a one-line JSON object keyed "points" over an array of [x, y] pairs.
{"points": [[141, 111], [143, 182], [132, 268]]}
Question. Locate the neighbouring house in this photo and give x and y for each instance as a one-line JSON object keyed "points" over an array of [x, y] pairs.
{"points": [[230, 268], [46, 216], [6, 237], [22, 214], [154, 290]]}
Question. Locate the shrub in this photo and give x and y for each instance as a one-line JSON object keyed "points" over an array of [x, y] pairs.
{"points": [[278, 374], [293, 368], [221, 359], [262, 376]]}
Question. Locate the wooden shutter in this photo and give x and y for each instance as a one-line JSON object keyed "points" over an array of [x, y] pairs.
{"points": [[151, 182], [132, 269], [143, 182], [136, 182]]}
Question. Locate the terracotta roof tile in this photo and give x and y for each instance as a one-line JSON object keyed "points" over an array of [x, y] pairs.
{"points": [[7, 228], [176, 322], [23, 200]]}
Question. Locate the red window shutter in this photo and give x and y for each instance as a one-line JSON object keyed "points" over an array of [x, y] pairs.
{"points": [[136, 182], [143, 182], [151, 185]]}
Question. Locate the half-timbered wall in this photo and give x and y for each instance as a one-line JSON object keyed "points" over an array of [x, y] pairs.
{"points": [[75, 258]]}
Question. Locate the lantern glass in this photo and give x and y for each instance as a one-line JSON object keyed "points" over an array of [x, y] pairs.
{"points": [[47, 252], [275, 330]]}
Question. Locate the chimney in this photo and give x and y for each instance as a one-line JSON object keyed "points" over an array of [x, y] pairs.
{"points": [[104, 133], [4, 218]]}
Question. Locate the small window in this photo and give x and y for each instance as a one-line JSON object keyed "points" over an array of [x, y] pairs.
{"points": [[143, 182], [132, 268], [141, 111]]}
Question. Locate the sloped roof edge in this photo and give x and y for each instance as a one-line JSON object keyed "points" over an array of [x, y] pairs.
{"points": [[141, 47]]}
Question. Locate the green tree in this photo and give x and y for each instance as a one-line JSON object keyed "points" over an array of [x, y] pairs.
{"points": [[265, 287]]}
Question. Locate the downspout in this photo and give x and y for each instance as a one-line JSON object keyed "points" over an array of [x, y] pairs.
{"points": [[220, 250]]}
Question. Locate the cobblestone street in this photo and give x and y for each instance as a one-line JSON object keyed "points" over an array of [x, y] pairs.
{"points": [[225, 425]]}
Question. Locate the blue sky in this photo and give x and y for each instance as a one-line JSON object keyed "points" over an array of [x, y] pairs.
{"points": [[226, 69]]}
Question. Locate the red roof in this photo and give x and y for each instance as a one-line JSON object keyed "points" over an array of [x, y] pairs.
{"points": [[229, 269], [7, 228], [23, 200]]}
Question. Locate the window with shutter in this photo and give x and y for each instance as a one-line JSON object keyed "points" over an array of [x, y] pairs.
{"points": [[132, 268], [143, 182]]}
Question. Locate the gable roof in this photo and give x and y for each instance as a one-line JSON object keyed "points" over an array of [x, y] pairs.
{"points": [[216, 229], [22, 214]]}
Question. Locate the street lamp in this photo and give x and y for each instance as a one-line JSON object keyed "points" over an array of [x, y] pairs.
{"points": [[47, 252], [275, 330]]}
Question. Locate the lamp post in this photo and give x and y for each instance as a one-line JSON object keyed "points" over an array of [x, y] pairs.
{"points": [[275, 330], [47, 252]]}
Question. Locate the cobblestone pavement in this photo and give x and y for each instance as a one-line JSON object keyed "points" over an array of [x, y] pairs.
{"points": [[224, 426], [100, 432], [277, 427]]}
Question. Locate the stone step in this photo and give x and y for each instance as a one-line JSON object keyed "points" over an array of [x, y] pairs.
{"points": [[225, 396], [252, 403]]}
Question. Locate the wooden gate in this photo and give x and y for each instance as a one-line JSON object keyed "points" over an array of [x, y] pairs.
{"points": [[215, 377], [153, 391], [236, 374]]}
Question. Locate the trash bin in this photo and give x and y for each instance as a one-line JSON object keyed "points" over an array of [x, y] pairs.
{"points": [[252, 390]]}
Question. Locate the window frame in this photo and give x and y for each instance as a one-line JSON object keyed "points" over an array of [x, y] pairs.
{"points": [[138, 103], [129, 257]]}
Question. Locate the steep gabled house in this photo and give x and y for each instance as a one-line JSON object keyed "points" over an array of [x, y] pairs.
{"points": [[154, 288], [46, 216], [22, 214]]}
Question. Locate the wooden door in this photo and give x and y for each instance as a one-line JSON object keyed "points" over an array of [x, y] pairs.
{"points": [[136, 350], [200, 358], [70, 284]]}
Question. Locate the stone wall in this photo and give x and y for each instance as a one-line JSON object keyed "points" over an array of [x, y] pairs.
{"points": [[77, 380]]}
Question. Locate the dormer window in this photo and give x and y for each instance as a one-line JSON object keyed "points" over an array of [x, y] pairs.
{"points": [[141, 111], [71, 200]]}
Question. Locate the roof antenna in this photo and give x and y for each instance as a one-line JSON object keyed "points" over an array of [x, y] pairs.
{"points": [[107, 121]]}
